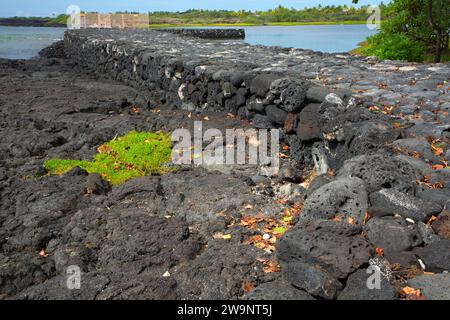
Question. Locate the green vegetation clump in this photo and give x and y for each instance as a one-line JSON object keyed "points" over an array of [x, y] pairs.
{"points": [[394, 47], [412, 30], [134, 155]]}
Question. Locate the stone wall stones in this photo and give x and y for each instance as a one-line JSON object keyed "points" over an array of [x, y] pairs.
{"points": [[208, 33]]}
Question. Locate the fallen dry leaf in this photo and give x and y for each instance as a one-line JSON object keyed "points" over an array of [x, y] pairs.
{"points": [[366, 217], [247, 286], [415, 154], [410, 291], [425, 182], [336, 218], [253, 239], [43, 254], [136, 109], [431, 220], [379, 252], [281, 201], [437, 150], [270, 266]]}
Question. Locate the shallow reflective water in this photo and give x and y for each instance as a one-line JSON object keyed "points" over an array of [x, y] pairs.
{"points": [[325, 38], [26, 42]]}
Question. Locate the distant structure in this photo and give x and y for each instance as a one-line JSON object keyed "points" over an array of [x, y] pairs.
{"points": [[114, 20]]}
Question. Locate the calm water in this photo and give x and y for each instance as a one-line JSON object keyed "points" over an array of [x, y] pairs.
{"points": [[325, 38], [26, 42]]}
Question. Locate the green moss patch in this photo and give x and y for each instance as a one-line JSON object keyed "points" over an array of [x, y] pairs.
{"points": [[136, 154]]}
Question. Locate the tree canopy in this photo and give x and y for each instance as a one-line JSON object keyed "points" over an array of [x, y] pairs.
{"points": [[412, 29]]}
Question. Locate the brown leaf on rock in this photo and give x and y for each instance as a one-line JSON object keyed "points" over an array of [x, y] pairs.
{"points": [[409, 293], [43, 254], [253, 239], [336, 218], [431, 220], [379, 252], [425, 182], [270, 266], [415, 154], [366, 218], [281, 201], [247, 286]]}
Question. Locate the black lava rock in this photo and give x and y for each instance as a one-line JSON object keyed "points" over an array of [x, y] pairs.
{"points": [[392, 235], [404, 204], [312, 278], [356, 288], [276, 115]]}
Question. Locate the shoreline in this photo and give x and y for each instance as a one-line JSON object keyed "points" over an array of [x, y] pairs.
{"points": [[271, 24], [166, 25]]}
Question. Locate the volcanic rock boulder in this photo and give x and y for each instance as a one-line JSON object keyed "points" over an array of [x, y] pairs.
{"points": [[276, 115], [437, 196], [319, 93], [368, 136], [442, 225], [290, 123], [218, 272], [312, 278], [433, 287], [404, 204], [356, 288], [436, 256], [294, 96], [309, 124], [418, 145], [427, 233], [260, 85], [336, 247], [261, 122], [380, 171], [344, 199], [392, 235], [332, 106]]}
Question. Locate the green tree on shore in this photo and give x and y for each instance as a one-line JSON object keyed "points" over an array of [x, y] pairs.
{"points": [[412, 28]]}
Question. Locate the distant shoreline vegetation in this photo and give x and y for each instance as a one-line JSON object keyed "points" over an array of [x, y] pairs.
{"points": [[280, 16], [59, 21]]}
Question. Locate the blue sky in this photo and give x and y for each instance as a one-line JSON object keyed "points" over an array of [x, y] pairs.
{"points": [[47, 7]]}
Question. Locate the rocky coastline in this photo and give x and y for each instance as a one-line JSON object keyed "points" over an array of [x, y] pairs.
{"points": [[17, 22], [363, 183]]}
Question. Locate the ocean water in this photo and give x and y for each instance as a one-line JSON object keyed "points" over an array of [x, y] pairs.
{"points": [[325, 38], [26, 42]]}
